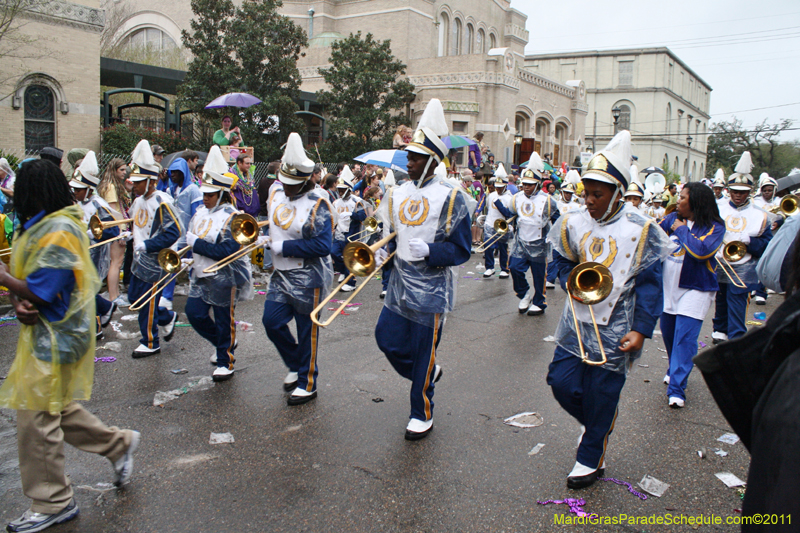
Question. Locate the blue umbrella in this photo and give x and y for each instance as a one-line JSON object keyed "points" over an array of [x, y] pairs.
{"points": [[457, 141], [394, 159], [234, 100]]}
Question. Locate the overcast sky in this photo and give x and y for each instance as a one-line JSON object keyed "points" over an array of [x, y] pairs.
{"points": [[749, 52]]}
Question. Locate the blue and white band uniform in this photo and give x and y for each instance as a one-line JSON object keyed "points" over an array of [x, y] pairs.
{"points": [[421, 291], [535, 216], [301, 228], [216, 293], [101, 256], [497, 208]]}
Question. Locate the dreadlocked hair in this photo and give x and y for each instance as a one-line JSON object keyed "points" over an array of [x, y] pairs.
{"points": [[41, 186]]}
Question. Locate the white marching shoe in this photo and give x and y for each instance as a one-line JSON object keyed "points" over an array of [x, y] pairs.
{"points": [[549, 285], [489, 273], [418, 429], [535, 310], [525, 302]]}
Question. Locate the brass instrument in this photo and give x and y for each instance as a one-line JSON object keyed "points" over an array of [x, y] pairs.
{"points": [[101, 243], [589, 283], [370, 227], [670, 209], [500, 228], [245, 230], [98, 226], [788, 206], [360, 261], [732, 252], [170, 261]]}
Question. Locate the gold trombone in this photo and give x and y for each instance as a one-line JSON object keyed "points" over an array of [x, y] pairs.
{"points": [[168, 260], [789, 206], [732, 252], [360, 261], [98, 226], [101, 243], [370, 227], [245, 230], [589, 283], [500, 228]]}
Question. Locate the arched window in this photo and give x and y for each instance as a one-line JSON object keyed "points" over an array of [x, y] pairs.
{"points": [[481, 41], [666, 160], [151, 38], [469, 44], [694, 171], [669, 118], [624, 117], [444, 34], [676, 167], [40, 118], [456, 42], [492, 41], [702, 173]]}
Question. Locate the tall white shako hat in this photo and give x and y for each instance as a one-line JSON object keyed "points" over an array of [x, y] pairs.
{"points": [[741, 180], [296, 167], [346, 179], [719, 179], [571, 181], [612, 164], [534, 173], [143, 166], [501, 176], [87, 175], [634, 172], [214, 170], [766, 179], [425, 140]]}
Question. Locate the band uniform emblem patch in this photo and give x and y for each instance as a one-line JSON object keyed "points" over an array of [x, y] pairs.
{"points": [[284, 216], [203, 227], [735, 224], [413, 212], [527, 209], [597, 248], [141, 218]]}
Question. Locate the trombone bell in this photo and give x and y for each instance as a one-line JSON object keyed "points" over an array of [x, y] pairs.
{"points": [[245, 228], [790, 205], [734, 251], [170, 260], [370, 227], [589, 283], [359, 259], [98, 227]]}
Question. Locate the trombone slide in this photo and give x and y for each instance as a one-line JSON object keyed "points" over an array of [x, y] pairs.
{"points": [[101, 243], [497, 236], [156, 290], [222, 263]]}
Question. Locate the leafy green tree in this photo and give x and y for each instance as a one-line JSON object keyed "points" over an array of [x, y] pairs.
{"points": [[250, 48], [728, 140], [366, 99]]}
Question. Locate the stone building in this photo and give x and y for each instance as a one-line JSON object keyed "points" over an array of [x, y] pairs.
{"points": [[467, 53], [51, 87], [662, 101]]}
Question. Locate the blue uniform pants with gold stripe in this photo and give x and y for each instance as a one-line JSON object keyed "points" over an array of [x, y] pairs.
{"points": [[591, 395], [731, 309], [519, 275], [298, 355], [220, 330], [411, 349], [488, 256], [150, 316]]}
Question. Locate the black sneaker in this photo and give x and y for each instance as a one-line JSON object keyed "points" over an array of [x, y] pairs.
{"points": [[30, 522]]}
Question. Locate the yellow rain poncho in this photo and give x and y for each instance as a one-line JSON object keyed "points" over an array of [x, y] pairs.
{"points": [[54, 364]]}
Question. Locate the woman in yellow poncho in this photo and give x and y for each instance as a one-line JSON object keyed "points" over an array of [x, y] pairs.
{"points": [[53, 282]]}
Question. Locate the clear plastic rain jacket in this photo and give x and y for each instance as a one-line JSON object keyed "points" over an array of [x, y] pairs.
{"points": [[101, 255], [633, 247], [535, 217], [437, 213], [156, 224]]}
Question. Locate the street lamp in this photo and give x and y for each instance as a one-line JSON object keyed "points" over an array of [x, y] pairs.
{"points": [[517, 148], [616, 113], [688, 155]]}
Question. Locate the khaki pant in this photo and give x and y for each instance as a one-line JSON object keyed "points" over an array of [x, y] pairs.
{"points": [[40, 439]]}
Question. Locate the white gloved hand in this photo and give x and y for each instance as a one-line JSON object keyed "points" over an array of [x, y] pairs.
{"points": [[419, 248], [126, 236], [345, 217], [263, 241], [745, 238], [380, 257], [277, 247], [90, 234], [186, 261], [140, 247], [190, 238]]}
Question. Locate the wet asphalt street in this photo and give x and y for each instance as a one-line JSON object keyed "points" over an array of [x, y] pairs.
{"points": [[340, 463]]}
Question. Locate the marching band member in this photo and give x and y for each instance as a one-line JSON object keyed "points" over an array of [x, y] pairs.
{"points": [[300, 236], [567, 203], [656, 211], [432, 222], [617, 235], [634, 196], [187, 199], [83, 183], [745, 223], [497, 200], [535, 212], [155, 227], [689, 281], [53, 285], [765, 201], [718, 186], [348, 222], [213, 296]]}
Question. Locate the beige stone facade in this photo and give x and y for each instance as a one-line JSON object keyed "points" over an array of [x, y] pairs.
{"points": [[663, 102], [62, 63]]}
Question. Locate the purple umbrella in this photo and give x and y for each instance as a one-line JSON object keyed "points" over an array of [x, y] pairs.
{"points": [[234, 100]]}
